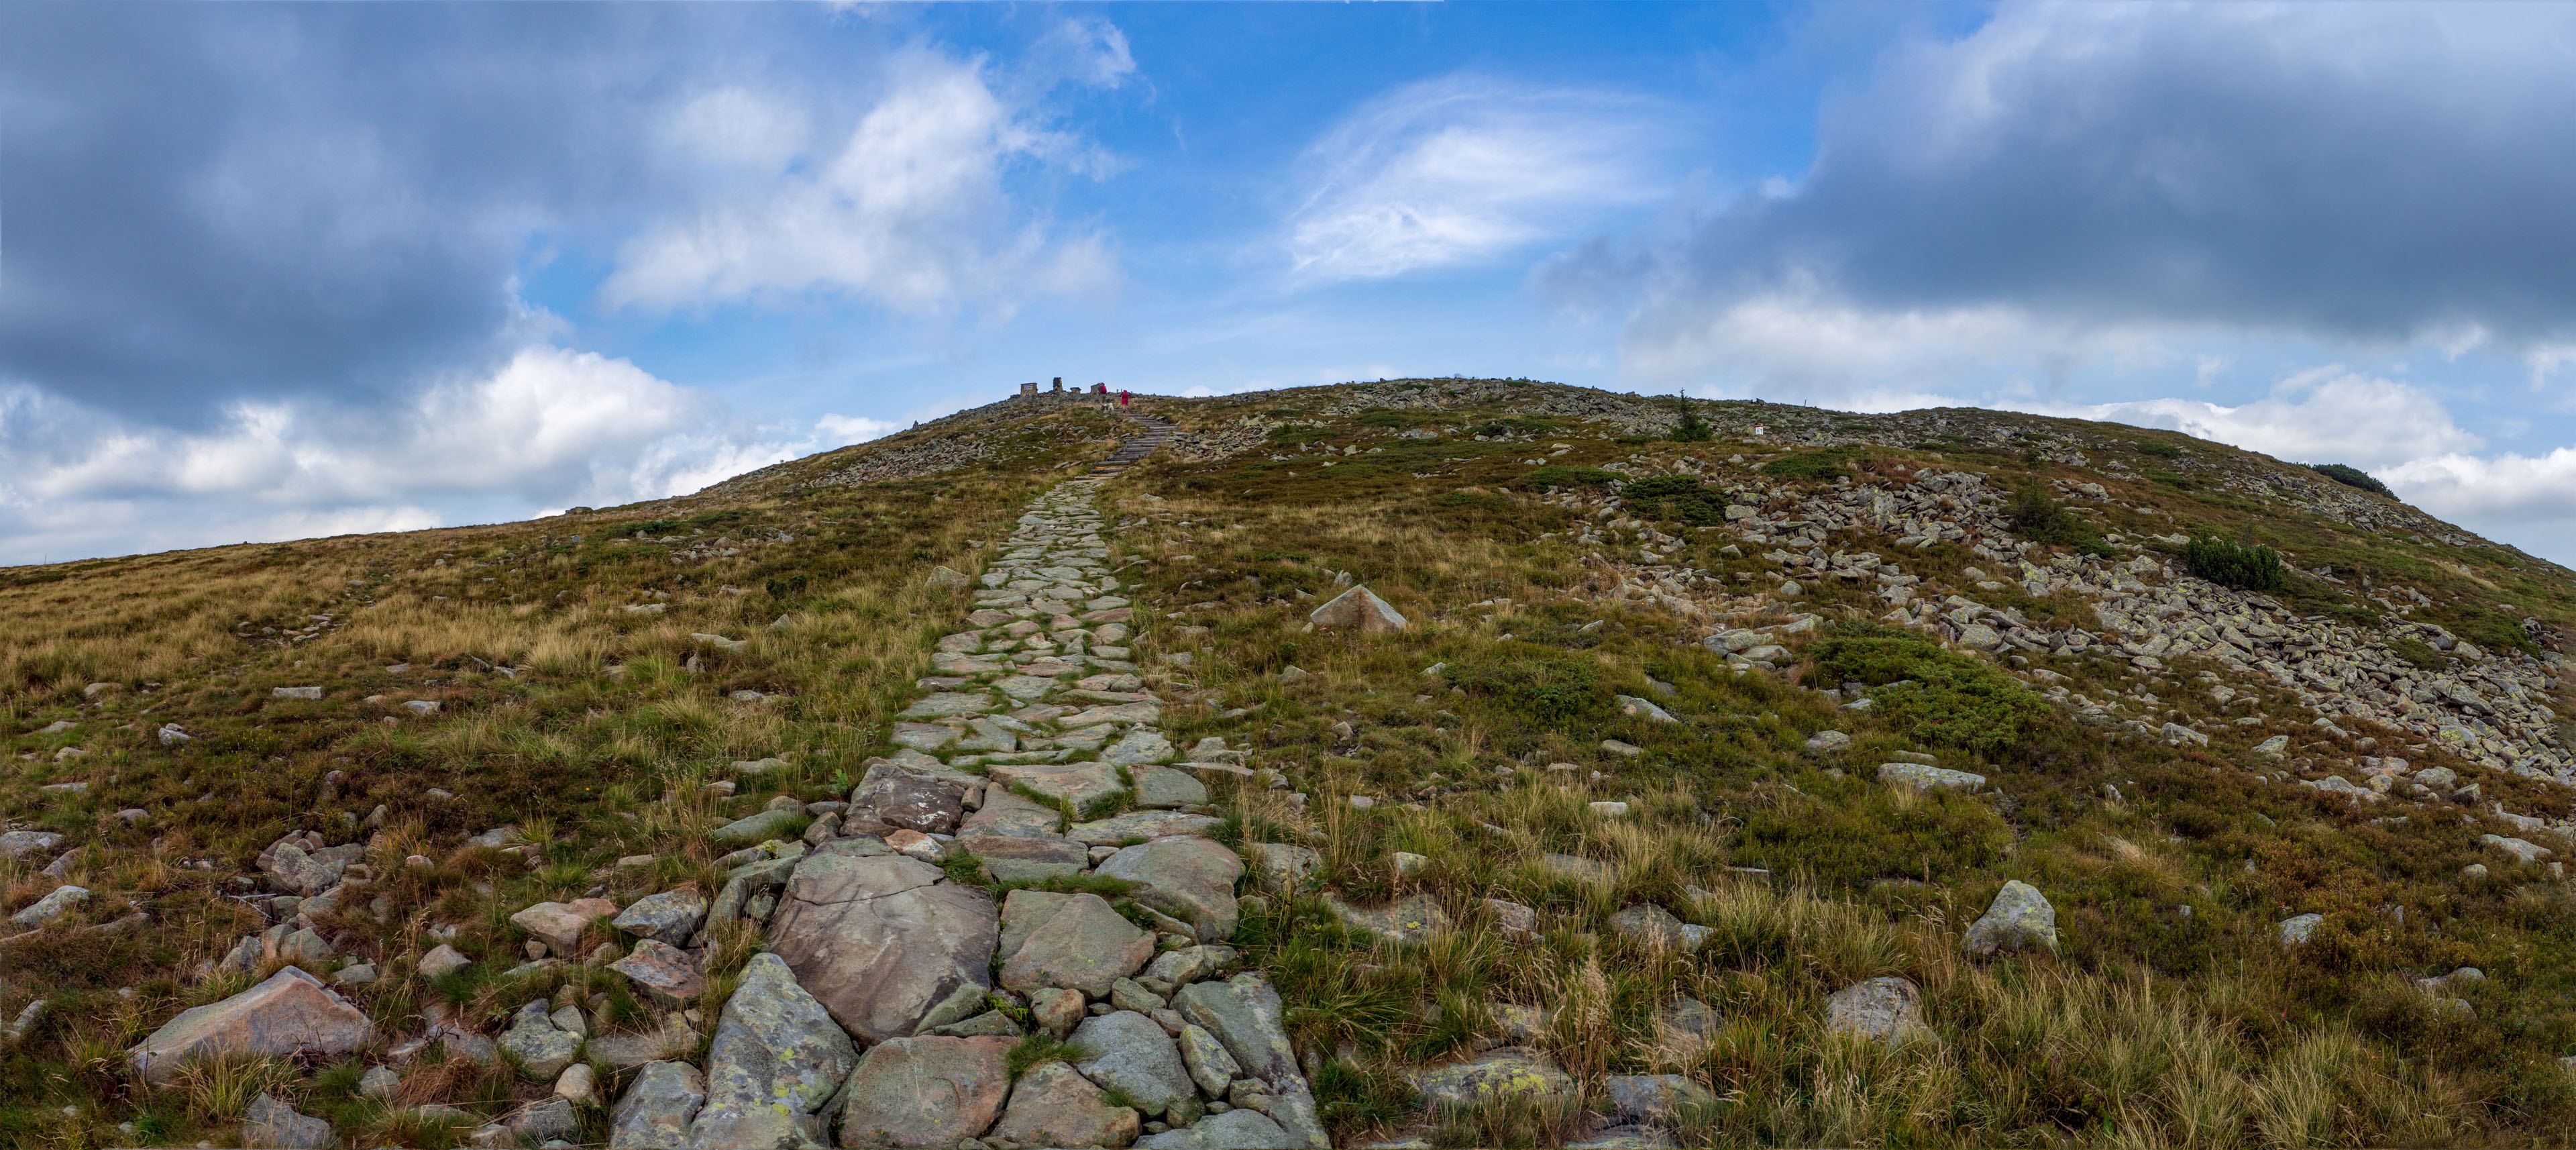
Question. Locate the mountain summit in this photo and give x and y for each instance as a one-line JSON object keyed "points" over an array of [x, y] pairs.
{"points": [[1433, 762]]}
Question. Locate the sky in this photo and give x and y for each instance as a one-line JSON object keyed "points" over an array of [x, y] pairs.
{"points": [[275, 272]]}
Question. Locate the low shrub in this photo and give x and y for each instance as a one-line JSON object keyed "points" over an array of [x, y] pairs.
{"points": [[1944, 697], [2246, 568], [2160, 450], [1551, 691], [1691, 429], [2041, 519], [1809, 465], [1675, 497], [2352, 477]]}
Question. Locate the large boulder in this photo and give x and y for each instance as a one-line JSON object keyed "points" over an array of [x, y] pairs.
{"points": [[886, 942], [1055, 1106], [656, 1111], [1243, 1013], [1358, 609], [291, 1013], [1074, 941], [541, 1048], [2019, 919], [927, 1092], [1130, 1052], [776, 1059], [1191, 879]]}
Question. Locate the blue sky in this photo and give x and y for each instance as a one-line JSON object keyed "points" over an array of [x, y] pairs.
{"points": [[276, 271]]}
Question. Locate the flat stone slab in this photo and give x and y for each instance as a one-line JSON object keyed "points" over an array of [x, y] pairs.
{"points": [[1015, 859], [886, 943], [1140, 826], [1081, 784], [1142, 714], [1008, 814], [944, 704], [1027, 688]]}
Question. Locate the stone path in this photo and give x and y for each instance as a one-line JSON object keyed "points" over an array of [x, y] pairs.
{"points": [[1157, 433], [1034, 750]]}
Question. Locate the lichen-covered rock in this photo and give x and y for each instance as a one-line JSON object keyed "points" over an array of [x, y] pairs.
{"points": [[2019, 919], [1883, 1010], [1243, 1013], [1128, 1051], [1921, 777], [777, 1058], [541, 1049], [1210, 1066], [1508, 1073], [926, 1092]]}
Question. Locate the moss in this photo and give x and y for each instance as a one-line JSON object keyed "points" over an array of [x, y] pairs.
{"points": [[1810, 465]]}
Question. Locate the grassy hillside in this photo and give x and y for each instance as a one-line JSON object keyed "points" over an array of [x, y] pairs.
{"points": [[1612, 804]]}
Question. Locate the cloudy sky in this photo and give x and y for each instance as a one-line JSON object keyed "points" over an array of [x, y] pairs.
{"points": [[270, 272]]}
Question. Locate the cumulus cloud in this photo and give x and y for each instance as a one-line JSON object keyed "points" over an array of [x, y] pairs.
{"points": [[2328, 415], [906, 209], [1463, 169], [549, 428], [2509, 489], [2363, 174]]}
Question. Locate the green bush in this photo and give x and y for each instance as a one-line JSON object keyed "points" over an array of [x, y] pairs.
{"points": [[1945, 698], [1809, 465], [1675, 497], [1548, 691], [1382, 418], [2042, 519], [2352, 477], [2160, 450], [2255, 568]]}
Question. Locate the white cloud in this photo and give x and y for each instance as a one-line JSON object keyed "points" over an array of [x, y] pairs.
{"points": [[1798, 343], [1463, 170], [2508, 489], [546, 429], [906, 210], [2327, 415]]}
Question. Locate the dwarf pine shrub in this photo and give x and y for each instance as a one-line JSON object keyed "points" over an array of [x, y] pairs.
{"points": [[2246, 568]]}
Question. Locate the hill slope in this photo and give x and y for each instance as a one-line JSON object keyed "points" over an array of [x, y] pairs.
{"points": [[1707, 773]]}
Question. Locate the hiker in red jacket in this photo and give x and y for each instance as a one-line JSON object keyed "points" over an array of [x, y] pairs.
{"points": [[1122, 397]]}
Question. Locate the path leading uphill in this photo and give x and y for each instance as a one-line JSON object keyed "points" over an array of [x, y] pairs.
{"points": [[1157, 433]]}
